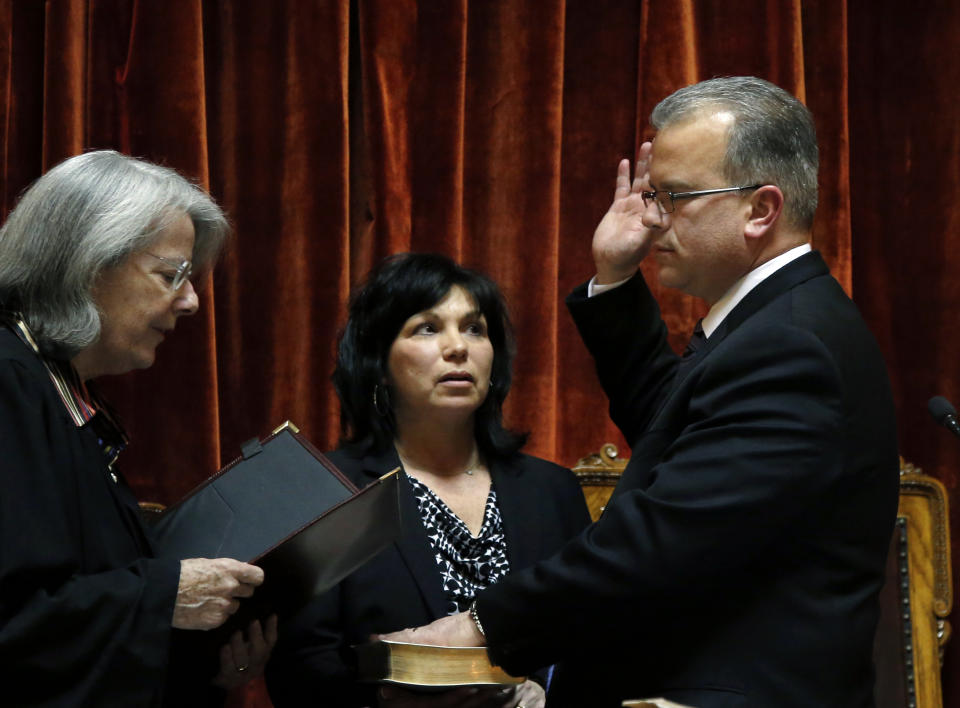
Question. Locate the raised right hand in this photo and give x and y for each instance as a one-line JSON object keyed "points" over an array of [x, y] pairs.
{"points": [[209, 589], [621, 240]]}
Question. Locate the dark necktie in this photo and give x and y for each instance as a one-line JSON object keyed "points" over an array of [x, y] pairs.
{"points": [[696, 344], [697, 340]]}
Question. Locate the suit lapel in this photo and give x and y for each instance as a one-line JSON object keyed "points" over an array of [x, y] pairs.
{"points": [[810, 265], [519, 512], [413, 545]]}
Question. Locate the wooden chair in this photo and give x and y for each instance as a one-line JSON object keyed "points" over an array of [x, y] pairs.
{"points": [[917, 597], [150, 512], [914, 602], [598, 474]]}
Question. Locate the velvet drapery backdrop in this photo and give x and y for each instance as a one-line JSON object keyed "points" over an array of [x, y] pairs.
{"points": [[335, 132]]}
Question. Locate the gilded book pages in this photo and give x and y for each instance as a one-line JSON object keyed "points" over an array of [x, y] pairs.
{"points": [[424, 666]]}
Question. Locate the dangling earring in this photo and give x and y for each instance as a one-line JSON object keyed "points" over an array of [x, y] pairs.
{"points": [[381, 402]]}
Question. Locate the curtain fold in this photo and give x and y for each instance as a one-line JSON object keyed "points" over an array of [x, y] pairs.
{"points": [[64, 82], [905, 167], [278, 137], [602, 54], [336, 132], [511, 171], [21, 96]]}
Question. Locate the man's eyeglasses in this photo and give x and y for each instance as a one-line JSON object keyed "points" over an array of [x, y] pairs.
{"points": [[182, 274], [665, 200]]}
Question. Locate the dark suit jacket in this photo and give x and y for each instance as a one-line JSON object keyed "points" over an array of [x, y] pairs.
{"points": [[740, 559], [84, 610], [541, 505]]}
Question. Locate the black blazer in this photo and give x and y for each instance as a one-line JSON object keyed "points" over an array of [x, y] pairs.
{"points": [[740, 559], [84, 608], [541, 505]]}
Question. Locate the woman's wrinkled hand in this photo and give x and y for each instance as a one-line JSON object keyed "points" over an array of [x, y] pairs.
{"points": [[208, 591], [245, 656]]}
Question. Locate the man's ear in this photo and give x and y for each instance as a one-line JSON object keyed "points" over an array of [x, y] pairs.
{"points": [[766, 205]]}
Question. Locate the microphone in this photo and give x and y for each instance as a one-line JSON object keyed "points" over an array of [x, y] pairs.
{"points": [[944, 413]]}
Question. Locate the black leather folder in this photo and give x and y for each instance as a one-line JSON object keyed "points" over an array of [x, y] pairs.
{"points": [[285, 507]]}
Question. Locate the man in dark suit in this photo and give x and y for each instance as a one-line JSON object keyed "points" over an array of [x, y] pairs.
{"points": [[741, 556]]}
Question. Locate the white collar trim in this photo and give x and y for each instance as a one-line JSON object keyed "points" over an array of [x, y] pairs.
{"points": [[722, 307]]}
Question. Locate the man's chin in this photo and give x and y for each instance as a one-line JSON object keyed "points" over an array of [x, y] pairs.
{"points": [[669, 277]]}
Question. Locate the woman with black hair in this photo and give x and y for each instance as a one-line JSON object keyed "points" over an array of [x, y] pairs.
{"points": [[423, 368]]}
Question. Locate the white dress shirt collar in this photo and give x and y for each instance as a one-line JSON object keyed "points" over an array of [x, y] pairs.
{"points": [[722, 307]]}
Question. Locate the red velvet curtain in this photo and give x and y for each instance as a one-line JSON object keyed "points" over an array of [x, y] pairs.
{"points": [[335, 132]]}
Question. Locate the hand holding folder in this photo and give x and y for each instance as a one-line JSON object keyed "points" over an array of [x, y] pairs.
{"points": [[206, 584], [285, 507]]}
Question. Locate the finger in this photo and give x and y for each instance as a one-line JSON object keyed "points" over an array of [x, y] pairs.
{"points": [[235, 570], [512, 696], [527, 694], [241, 657], [255, 639], [249, 574], [270, 631], [258, 651], [226, 658], [643, 159], [623, 179], [216, 611], [227, 676], [243, 590], [404, 635]]}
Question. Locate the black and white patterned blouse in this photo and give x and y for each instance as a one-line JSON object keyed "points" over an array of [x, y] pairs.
{"points": [[467, 564]]}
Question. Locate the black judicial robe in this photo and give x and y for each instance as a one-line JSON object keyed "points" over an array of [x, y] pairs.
{"points": [[85, 610]]}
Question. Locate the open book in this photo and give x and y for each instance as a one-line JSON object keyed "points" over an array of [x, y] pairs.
{"points": [[421, 666], [285, 507]]}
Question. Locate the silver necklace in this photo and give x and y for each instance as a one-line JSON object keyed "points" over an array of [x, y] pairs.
{"points": [[469, 471], [472, 467]]}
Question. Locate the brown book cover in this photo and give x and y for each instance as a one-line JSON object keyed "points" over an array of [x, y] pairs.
{"points": [[425, 667], [284, 506]]}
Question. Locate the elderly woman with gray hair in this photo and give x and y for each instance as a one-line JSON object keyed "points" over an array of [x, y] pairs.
{"points": [[95, 270]]}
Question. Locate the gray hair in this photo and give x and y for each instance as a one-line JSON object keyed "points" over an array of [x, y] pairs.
{"points": [[86, 214], [772, 140]]}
